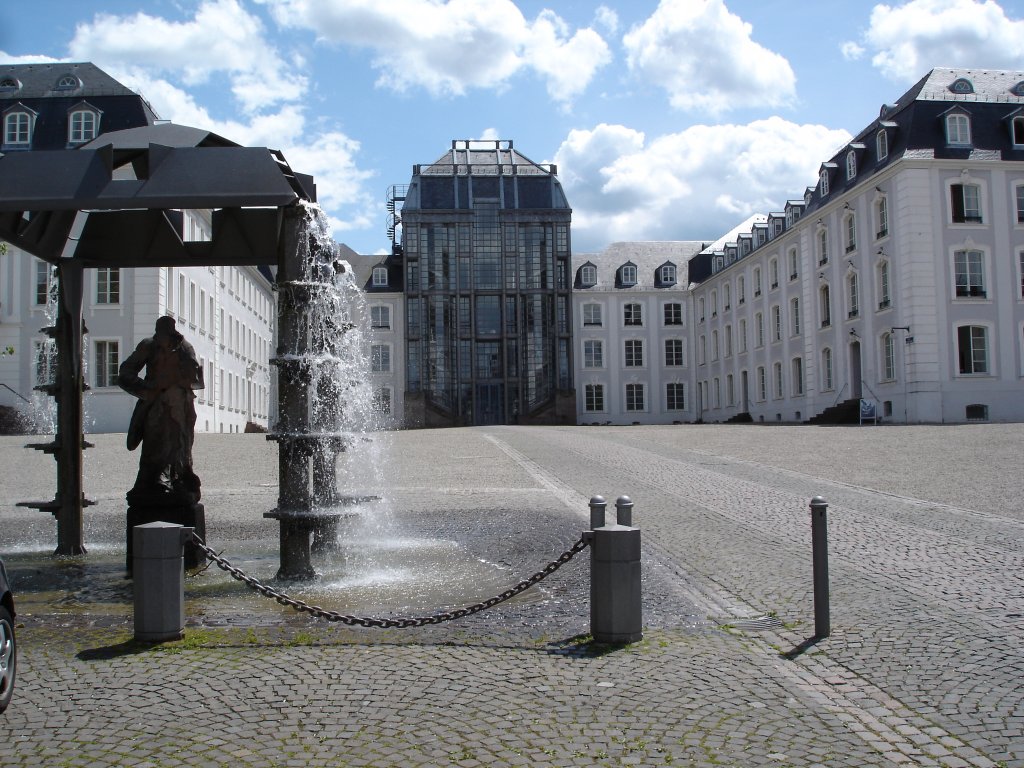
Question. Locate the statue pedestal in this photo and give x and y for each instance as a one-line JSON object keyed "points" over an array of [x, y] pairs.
{"points": [[191, 515]]}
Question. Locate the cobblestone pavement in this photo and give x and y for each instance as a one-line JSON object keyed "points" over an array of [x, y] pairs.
{"points": [[923, 667]]}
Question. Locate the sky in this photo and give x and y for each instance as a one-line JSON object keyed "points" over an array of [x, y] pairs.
{"points": [[670, 120]]}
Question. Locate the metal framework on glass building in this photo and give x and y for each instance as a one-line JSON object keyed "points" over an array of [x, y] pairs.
{"points": [[485, 245]]}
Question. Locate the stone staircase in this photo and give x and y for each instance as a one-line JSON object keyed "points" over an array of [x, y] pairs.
{"points": [[845, 412]]}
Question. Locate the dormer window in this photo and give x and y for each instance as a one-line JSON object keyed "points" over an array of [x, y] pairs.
{"points": [[851, 165], [82, 126], [68, 83], [667, 274], [9, 85], [588, 275], [962, 85], [380, 277], [882, 144], [627, 274], [958, 129], [823, 182], [1018, 89], [17, 128], [1017, 131]]}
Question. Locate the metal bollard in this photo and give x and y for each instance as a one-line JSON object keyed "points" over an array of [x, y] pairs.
{"points": [[819, 547], [158, 570], [624, 510], [616, 605]]}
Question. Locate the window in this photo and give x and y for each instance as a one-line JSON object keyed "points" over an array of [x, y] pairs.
{"points": [[1020, 203], [380, 358], [965, 203], [45, 360], [700, 310], [380, 277], [593, 354], [798, 375], [969, 268], [777, 379], [181, 295], [675, 396], [827, 381], [592, 314], [882, 217], [380, 317], [82, 127], [773, 274], [634, 397], [726, 297], [757, 282], [107, 362], [762, 384], [822, 246], [727, 340], [826, 307], [958, 129], [853, 295], [851, 165], [634, 353], [628, 274], [743, 335], [17, 128], [202, 309], [46, 283], [758, 330], [972, 347], [823, 182], [776, 323], [702, 349], [192, 303], [594, 397], [673, 313], [884, 298], [850, 229], [714, 303], [794, 315], [1020, 264], [882, 144], [1017, 131], [673, 352], [632, 314], [794, 264], [714, 345], [667, 274], [588, 275], [741, 289], [730, 391], [108, 285], [888, 357], [382, 400]]}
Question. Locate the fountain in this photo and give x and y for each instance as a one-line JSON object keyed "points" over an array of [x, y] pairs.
{"points": [[323, 399]]}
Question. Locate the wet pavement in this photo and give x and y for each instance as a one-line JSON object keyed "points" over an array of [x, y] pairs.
{"points": [[926, 526]]}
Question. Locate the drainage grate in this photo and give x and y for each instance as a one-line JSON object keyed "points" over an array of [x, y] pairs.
{"points": [[755, 624]]}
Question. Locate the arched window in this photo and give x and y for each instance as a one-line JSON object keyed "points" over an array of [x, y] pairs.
{"points": [[82, 126], [380, 277], [888, 357], [825, 301], [882, 144], [853, 295], [851, 165], [958, 129], [17, 128], [827, 381]]}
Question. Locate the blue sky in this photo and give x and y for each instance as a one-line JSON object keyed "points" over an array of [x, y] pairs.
{"points": [[669, 120]]}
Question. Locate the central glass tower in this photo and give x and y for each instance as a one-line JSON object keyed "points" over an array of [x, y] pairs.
{"points": [[485, 246]]}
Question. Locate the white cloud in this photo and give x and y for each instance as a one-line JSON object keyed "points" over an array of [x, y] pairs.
{"points": [[692, 185], [448, 48], [851, 51], [6, 58], [706, 59], [222, 37], [607, 19], [911, 39]]}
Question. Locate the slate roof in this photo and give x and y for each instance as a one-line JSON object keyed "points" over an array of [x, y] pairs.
{"points": [[39, 81], [647, 256]]}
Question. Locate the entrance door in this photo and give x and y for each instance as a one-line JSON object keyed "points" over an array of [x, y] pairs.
{"points": [[855, 372], [489, 404], [744, 391]]}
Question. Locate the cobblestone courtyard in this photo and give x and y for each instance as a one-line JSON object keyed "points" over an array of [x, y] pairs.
{"points": [[924, 666]]}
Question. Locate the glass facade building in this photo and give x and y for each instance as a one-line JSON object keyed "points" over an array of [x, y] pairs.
{"points": [[485, 244]]}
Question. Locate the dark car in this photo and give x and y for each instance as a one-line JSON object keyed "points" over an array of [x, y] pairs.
{"points": [[8, 645]]}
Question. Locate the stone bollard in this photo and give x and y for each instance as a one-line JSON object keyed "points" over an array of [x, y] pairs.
{"points": [[159, 575], [616, 607]]}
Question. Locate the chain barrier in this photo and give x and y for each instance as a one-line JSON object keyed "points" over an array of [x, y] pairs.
{"points": [[399, 623]]}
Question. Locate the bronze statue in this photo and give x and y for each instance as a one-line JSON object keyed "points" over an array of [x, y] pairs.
{"points": [[164, 418]]}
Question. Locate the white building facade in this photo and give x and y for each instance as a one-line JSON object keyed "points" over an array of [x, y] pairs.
{"points": [[227, 314], [898, 279]]}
